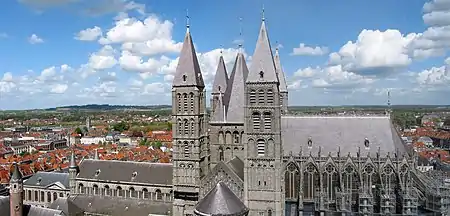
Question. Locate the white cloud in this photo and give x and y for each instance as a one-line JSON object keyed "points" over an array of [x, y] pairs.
{"points": [[6, 83], [89, 34], [307, 72], [311, 51], [435, 76], [130, 62], [3, 35], [103, 59], [375, 52], [148, 37], [34, 39], [58, 88]]}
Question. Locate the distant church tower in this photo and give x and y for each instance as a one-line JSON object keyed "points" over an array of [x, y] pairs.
{"points": [[284, 97], [16, 192], [190, 161], [73, 172], [88, 123], [262, 138]]}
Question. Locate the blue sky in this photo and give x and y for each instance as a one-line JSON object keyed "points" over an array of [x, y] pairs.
{"points": [[125, 52]]}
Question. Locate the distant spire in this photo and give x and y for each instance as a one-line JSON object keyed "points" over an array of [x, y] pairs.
{"points": [[16, 175], [187, 19], [73, 162], [96, 157]]}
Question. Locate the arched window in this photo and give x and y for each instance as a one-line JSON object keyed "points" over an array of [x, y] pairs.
{"points": [[180, 127], [185, 102], [261, 147], [281, 100], [55, 196], [269, 212], [133, 192], [252, 97], [145, 193], [311, 182], [81, 188], [179, 102], [49, 197], [220, 153], [256, 117], [95, 187], [270, 96], [267, 121], [36, 196], [236, 137], [292, 181], [119, 191], [192, 126], [186, 149], [191, 98], [261, 97], [330, 181], [107, 190], [158, 194], [186, 127]]}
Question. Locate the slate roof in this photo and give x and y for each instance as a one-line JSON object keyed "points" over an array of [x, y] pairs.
{"points": [[44, 179], [114, 206], [221, 201], [333, 132], [237, 166], [280, 72], [235, 94], [28, 210], [188, 65], [221, 77], [66, 206], [16, 175], [262, 60], [112, 170]]}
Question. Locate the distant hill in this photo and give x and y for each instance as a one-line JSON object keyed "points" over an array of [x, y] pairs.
{"points": [[110, 107]]}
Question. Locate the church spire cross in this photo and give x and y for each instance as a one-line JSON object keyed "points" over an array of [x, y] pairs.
{"points": [[263, 15], [187, 19]]}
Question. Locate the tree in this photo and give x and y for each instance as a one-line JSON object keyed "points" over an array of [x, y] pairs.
{"points": [[78, 131], [2, 128], [143, 142], [121, 126], [100, 142], [157, 144], [169, 126]]}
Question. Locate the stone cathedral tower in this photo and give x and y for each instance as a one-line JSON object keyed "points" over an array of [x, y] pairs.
{"points": [[73, 172], [16, 192], [262, 137], [190, 159]]}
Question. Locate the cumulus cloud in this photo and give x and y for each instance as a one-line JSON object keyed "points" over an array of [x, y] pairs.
{"points": [[306, 72], [34, 39], [311, 51], [89, 34]]}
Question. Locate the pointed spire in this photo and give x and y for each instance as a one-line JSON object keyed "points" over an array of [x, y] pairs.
{"points": [[188, 71], [221, 77], [221, 201], [16, 174], [187, 20], [73, 162], [96, 155], [263, 66], [280, 72], [235, 94]]}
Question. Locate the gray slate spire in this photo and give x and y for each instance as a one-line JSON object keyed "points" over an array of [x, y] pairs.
{"points": [[235, 94], [280, 72], [96, 157], [73, 162], [188, 70], [221, 77], [221, 201], [16, 175], [262, 60]]}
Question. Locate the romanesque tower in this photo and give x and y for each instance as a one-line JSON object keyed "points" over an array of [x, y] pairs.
{"points": [[263, 149], [73, 172], [16, 192], [284, 97], [190, 159]]}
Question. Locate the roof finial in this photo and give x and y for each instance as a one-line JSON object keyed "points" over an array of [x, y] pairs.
{"points": [[277, 45], [187, 19], [263, 17], [240, 34], [221, 49]]}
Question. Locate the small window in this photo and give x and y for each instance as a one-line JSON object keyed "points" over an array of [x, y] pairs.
{"points": [[270, 96], [267, 121], [261, 97], [256, 121], [366, 143], [133, 175], [236, 138], [185, 102], [186, 149], [261, 74], [252, 97], [97, 172], [261, 147], [310, 142], [220, 153], [184, 78]]}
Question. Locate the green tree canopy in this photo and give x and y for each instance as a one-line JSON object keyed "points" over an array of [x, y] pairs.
{"points": [[78, 131], [121, 126]]}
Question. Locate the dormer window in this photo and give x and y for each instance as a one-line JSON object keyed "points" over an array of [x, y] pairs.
{"points": [[310, 142], [261, 74], [97, 172], [133, 175], [184, 78], [39, 180], [218, 88], [366, 143]]}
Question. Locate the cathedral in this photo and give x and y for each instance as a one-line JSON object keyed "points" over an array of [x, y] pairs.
{"points": [[275, 163], [248, 156]]}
